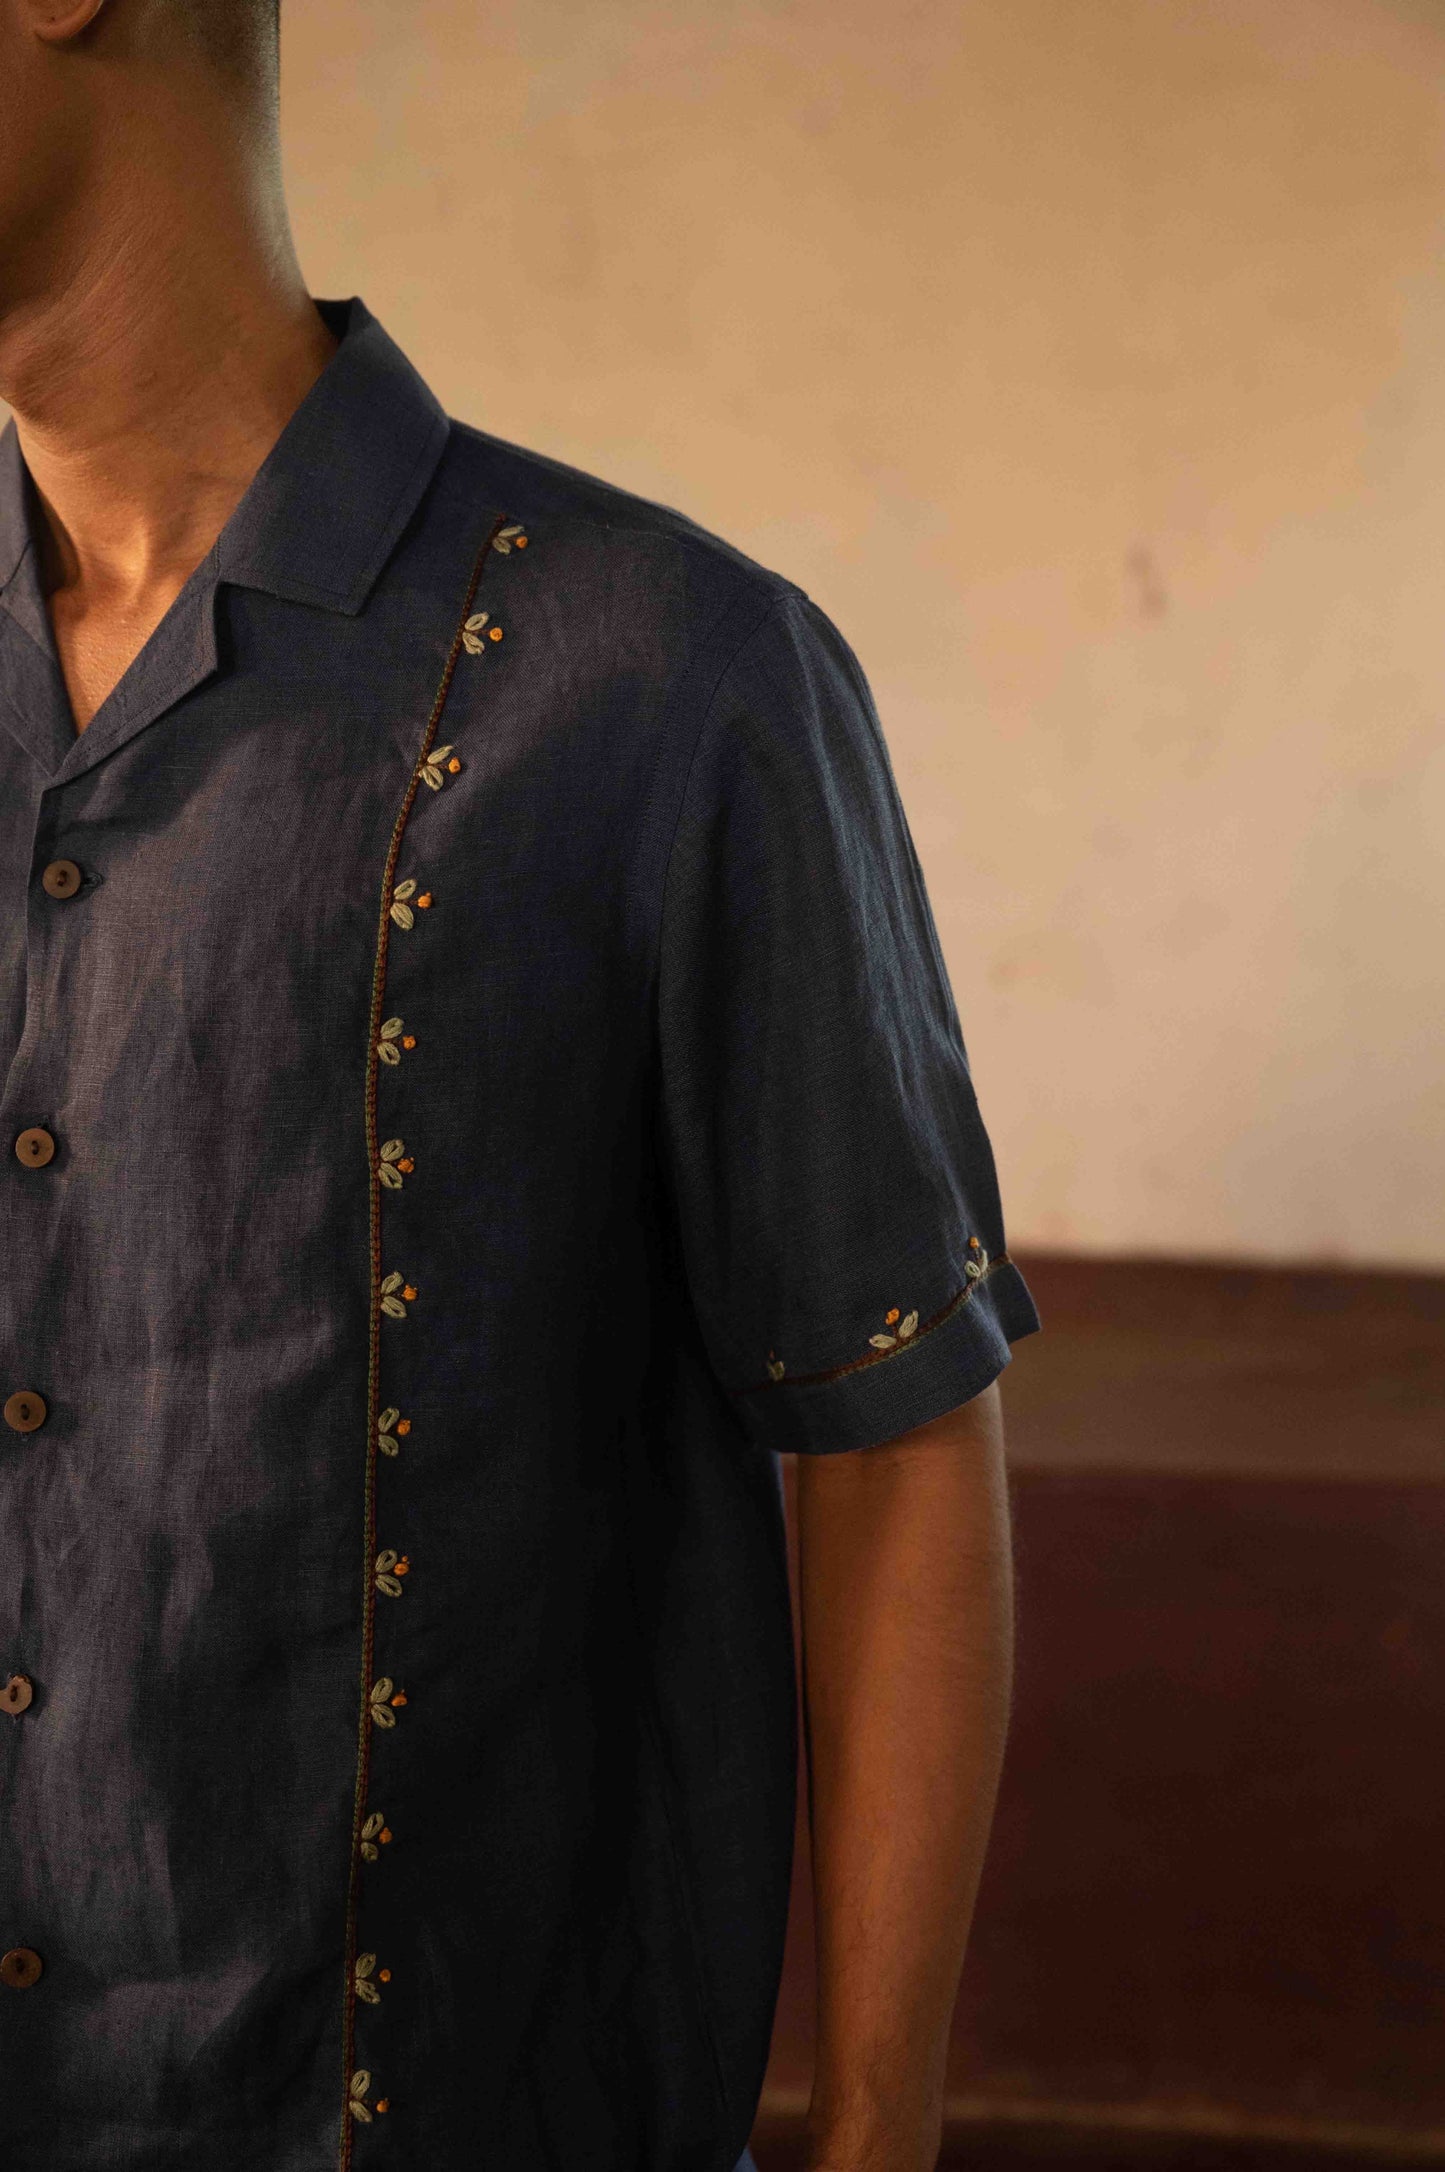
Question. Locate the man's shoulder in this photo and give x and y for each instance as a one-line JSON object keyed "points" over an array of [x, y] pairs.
{"points": [[609, 527]]}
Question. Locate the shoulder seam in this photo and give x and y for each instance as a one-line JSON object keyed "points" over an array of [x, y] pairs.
{"points": [[672, 526]]}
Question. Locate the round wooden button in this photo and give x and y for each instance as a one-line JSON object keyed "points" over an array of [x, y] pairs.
{"points": [[18, 1694], [24, 1411], [35, 1147], [61, 879], [20, 1968]]}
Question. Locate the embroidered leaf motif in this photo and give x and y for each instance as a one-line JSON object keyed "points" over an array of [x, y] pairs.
{"points": [[502, 540], [392, 1282], [388, 1418], [402, 914], [374, 1837], [386, 1046], [883, 1342], [775, 1367], [432, 772], [365, 1970], [382, 1701], [385, 1439], [387, 1562], [393, 1308], [405, 889], [393, 1153], [908, 1326], [360, 2084]]}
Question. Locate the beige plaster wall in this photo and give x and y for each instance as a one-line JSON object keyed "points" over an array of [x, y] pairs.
{"points": [[1083, 358]]}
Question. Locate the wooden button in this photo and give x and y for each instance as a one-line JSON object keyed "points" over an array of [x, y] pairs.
{"points": [[20, 1968], [18, 1694], [24, 1411], [61, 879], [35, 1147]]}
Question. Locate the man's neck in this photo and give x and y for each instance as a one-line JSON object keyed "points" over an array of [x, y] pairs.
{"points": [[148, 385]]}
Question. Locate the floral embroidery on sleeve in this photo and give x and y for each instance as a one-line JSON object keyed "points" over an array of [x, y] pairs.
{"points": [[899, 1328], [906, 1329]]}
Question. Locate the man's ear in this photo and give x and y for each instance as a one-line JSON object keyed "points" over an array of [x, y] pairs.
{"points": [[55, 22]]}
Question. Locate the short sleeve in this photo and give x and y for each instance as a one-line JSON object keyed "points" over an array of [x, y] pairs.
{"points": [[838, 1214]]}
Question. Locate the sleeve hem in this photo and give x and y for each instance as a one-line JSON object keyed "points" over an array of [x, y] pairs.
{"points": [[866, 1403]]}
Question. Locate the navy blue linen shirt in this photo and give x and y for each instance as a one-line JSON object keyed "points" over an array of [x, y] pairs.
{"points": [[503, 1085]]}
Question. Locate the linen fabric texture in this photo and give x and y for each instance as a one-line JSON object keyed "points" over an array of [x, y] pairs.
{"points": [[437, 1514]]}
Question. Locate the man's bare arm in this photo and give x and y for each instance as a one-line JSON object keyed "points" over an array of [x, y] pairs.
{"points": [[906, 1595]]}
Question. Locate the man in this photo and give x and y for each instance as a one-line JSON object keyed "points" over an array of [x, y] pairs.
{"points": [[480, 1081]]}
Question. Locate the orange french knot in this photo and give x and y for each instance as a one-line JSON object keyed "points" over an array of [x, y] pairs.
{"points": [[454, 765], [423, 903], [410, 1291], [403, 1425], [890, 1317]]}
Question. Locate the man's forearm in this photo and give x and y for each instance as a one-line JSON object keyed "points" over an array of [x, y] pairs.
{"points": [[906, 1598]]}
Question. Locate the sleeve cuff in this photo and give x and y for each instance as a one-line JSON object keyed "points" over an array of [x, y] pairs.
{"points": [[867, 1403]]}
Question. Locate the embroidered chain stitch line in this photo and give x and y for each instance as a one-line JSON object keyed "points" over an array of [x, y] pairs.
{"points": [[353, 2096], [945, 1312]]}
